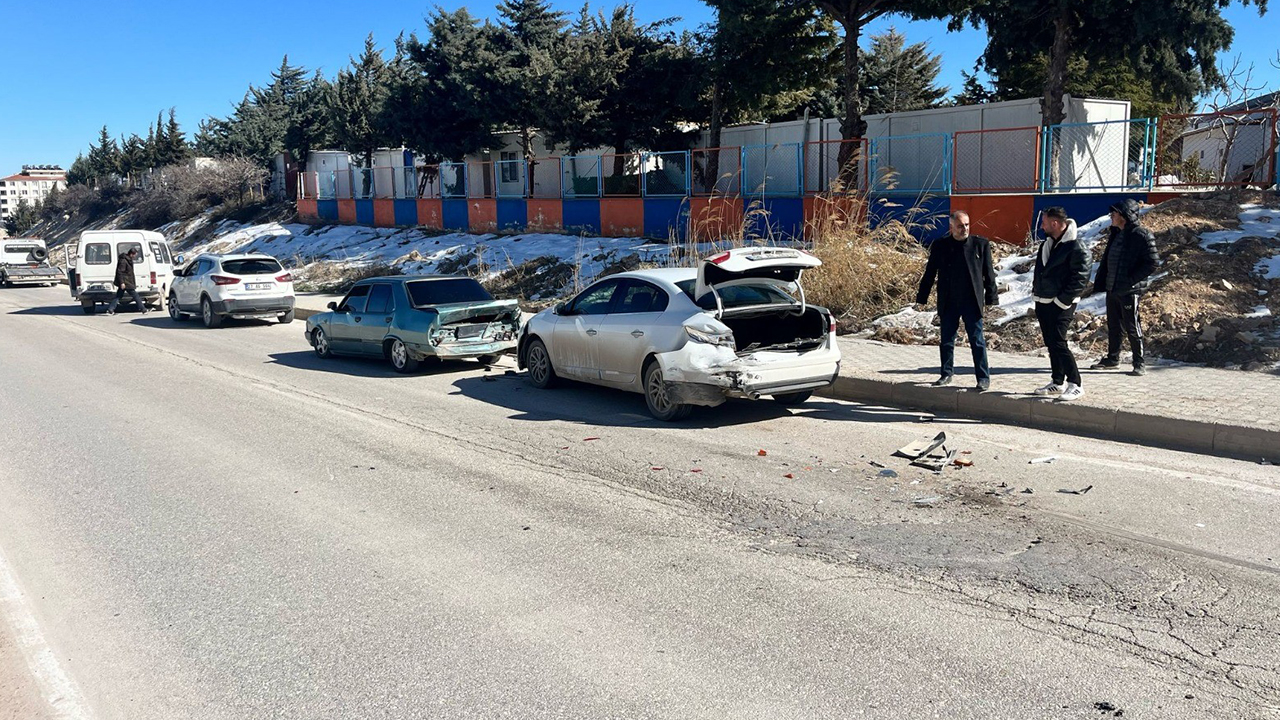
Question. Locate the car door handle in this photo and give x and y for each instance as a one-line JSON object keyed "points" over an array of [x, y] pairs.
{"points": [[637, 333], [358, 318], [592, 333]]}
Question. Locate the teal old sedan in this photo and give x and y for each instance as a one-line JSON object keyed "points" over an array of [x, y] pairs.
{"points": [[408, 319]]}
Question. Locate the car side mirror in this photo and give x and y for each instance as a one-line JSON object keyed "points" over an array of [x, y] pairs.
{"points": [[563, 309], [333, 305], [180, 259]]}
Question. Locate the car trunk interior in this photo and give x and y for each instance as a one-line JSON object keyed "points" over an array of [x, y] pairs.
{"points": [[762, 329]]}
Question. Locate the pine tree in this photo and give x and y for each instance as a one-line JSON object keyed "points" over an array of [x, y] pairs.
{"points": [[133, 158], [24, 217], [104, 159], [80, 173], [531, 49], [176, 149], [310, 120], [359, 98], [900, 77]]}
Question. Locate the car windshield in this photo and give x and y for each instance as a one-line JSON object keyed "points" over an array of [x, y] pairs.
{"points": [[251, 266], [424, 293], [734, 296]]}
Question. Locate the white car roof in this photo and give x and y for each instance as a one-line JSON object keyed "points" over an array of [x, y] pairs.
{"points": [[236, 256], [666, 276]]}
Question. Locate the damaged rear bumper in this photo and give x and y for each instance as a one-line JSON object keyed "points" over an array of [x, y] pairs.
{"points": [[699, 374]]}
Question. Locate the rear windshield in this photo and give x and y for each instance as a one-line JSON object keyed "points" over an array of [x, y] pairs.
{"points": [[738, 295], [252, 266], [444, 292], [98, 254]]}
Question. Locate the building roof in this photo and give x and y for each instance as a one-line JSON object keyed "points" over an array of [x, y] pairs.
{"points": [[34, 178]]}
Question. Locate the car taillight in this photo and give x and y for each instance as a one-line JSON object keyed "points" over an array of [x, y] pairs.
{"points": [[153, 278], [831, 326], [717, 259], [223, 280], [284, 278]]}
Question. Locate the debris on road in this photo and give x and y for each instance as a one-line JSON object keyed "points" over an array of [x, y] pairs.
{"points": [[965, 459], [935, 462], [931, 500], [656, 468], [1081, 491], [920, 448], [1027, 491], [589, 439], [1042, 460], [876, 464], [790, 476], [761, 453], [888, 473]]}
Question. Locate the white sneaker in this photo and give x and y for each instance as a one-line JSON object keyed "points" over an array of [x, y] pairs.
{"points": [[1050, 389], [1073, 392]]}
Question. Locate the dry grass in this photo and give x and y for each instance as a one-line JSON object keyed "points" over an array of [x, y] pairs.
{"points": [[333, 277]]}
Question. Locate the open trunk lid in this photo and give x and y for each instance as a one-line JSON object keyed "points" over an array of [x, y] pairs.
{"points": [[779, 267]]}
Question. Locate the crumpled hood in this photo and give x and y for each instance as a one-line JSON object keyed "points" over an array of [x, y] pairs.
{"points": [[461, 312]]}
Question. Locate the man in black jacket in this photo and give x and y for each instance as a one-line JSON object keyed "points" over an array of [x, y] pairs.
{"points": [[961, 263], [126, 282], [1128, 261], [1061, 274]]}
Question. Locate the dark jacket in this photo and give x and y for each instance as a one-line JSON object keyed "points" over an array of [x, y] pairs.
{"points": [[978, 272], [124, 273], [1064, 277], [1130, 257]]}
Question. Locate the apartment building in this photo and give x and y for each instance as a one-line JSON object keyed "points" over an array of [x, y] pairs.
{"points": [[32, 185]]}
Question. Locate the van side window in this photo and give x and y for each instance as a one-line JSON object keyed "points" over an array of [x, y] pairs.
{"points": [[124, 247], [98, 254], [159, 250], [354, 301], [379, 299]]}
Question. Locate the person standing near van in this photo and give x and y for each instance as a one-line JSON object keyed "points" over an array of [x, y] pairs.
{"points": [[1128, 261], [126, 281], [1061, 274], [966, 277]]}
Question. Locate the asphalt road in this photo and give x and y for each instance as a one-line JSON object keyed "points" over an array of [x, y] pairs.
{"points": [[217, 524]]}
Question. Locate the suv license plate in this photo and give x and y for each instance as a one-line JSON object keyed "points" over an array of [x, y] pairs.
{"points": [[257, 286]]}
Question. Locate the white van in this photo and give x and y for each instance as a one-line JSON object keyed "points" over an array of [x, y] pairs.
{"points": [[93, 272]]}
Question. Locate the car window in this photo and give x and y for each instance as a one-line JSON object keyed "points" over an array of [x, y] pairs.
{"points": [[158, 253], [123, 248], [596, 300], [205, 266], [379, 299], [638, 296], [425, 293], [252, 266], [355, 300], [168, 256], [98, 254]]}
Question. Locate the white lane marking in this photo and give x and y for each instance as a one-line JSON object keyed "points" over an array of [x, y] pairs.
{"points": [[59, 690]]}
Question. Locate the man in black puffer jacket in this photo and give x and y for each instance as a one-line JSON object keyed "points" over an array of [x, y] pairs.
{"points": [[1128, 261]]}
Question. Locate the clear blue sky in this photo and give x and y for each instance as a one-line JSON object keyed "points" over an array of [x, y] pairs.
{"points": [[88, 63]]}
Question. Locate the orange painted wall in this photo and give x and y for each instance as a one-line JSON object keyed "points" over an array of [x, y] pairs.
{"points": [[384, 212], [822, 209], [1005, 218], [347, 211], [482, 215], [307, 209], [715, 217], [546, 215], [430, 213], [622, 217]]}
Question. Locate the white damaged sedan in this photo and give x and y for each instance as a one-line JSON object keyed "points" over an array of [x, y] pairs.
{"points": [[737, 326]]}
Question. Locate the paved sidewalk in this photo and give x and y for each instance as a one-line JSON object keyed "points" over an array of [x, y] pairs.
{"points": [[1225, 412], [1220, 412]]}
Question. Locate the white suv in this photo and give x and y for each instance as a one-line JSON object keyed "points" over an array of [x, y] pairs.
{"points": [[238, 286]]}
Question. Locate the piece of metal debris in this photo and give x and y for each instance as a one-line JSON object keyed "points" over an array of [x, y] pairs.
{"points": [[1042, 460], [888, 473], [1027, 491], [931, 500], [923, 447], [1081, 491]]}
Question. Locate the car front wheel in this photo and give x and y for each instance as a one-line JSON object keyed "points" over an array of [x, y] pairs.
{"points": [[538, 360], [400, 358], [658, 397], [174, 312], [320, 343]]}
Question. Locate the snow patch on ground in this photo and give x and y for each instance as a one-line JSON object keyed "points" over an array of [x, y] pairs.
{"points": [[1255, 221], [1269, 268], [907, 317], [1016, 300]]}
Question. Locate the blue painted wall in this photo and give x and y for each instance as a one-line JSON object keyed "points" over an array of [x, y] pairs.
{"points": [[776, 217], [406, 212], [364, 212], [582, 215], [327, 210], [513, 214], [925, 218], [666, 218], [1081, 208], [454, 214]]}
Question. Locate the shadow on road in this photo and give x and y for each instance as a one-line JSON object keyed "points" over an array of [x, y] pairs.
{"points": [[593, 405], [54, 310], [364, 367], [162, 320], [963, 372]]}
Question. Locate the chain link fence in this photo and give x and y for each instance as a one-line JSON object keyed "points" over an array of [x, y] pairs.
{"points": [[429, 181], [453, 180], [911, 164], [544, 178], [362, 183], [580, 176], [772, 170], [836, 167], [716, 171], [666, 174], [1109, 155], [1005, 160], [620, 175], [480, 179], [510, 176], [1217, 150]]}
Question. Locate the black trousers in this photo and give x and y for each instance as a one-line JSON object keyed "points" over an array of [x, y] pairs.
{"points": [[1122, 321], [1055, 322], [972, 316]]}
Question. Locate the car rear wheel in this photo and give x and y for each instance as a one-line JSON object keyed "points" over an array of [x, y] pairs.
{"points": [[174, 312], [89, 307], [795, 398], [398, 353], [658, 398], [487, 359], [538, 360], [211, 318], [286, 317], [320, 343]]}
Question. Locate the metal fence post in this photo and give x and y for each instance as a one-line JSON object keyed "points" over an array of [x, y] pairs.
{"points": [[948, 146]]}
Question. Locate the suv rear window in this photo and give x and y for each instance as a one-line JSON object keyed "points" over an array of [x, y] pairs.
{"points": [[423, 293], [251, 266], [98, 254]]}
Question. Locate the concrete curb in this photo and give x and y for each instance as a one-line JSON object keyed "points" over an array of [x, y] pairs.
{"points": [[1199, 436]]}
